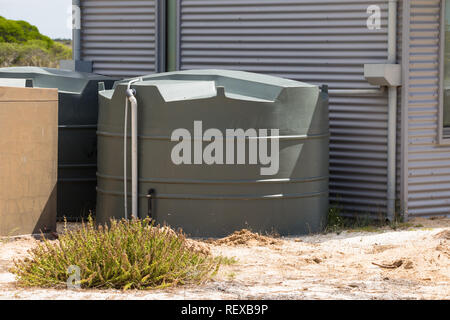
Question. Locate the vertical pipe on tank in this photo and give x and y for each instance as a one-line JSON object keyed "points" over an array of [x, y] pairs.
{"points": [[392, 113], [134, 156], [76, 30], [125, 177]]}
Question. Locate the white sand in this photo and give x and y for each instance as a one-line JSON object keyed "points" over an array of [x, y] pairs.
{"points": [[312, 267]]}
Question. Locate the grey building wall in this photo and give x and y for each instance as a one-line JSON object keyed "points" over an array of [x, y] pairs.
{"points": [[320, 42], [119, 37], [427, 168]]}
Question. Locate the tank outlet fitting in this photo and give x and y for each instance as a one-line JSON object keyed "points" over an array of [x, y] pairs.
{"points": [[130, 93]]}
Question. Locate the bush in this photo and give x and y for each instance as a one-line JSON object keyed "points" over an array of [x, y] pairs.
{"points": [[20, 31], [10, 31], [128, 254], [21, 44], [33, 53]]}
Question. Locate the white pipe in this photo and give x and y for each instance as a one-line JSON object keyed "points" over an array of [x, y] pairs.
{"points": [[392, 113], [130, 96], [134, 157], [356, 92], [125, 138]]}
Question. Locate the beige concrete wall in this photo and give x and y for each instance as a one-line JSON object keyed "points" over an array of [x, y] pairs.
{"points": [[28, 160]]}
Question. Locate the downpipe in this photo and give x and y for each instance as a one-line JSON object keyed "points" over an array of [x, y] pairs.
{"points": [[392, 113], [131, 98]]}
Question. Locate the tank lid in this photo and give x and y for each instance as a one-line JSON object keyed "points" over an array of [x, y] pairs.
{"points": [[199, 84], [63, 80], [203, 74]]}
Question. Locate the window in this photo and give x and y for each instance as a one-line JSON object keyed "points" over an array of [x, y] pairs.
{"points": [[446, 76]]}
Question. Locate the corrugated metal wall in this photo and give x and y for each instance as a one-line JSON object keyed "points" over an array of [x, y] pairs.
{"points": [[399, 153], [119, 37], [320, 42], [428, 163]]}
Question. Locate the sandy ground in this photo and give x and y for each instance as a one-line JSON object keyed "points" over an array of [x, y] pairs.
{"points": [[405, 264]]}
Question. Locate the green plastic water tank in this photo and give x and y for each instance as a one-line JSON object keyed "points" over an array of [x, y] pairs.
{"points": [[77, 124], [205, 197]]}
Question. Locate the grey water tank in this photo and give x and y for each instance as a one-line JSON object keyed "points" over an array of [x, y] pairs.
{"points": [[77, 124], [205, 197]]}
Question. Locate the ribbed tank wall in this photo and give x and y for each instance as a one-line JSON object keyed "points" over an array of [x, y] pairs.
{"points": [[320, 42], [213, 200]]}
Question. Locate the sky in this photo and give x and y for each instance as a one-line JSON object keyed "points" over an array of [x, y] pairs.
{"points": [[50, 16]]}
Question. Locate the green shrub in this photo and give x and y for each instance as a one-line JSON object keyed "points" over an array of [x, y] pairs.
{"points": [[129, 254], [10, 31], [20, 31], [21, 44], [335, 221], [32, 33]]}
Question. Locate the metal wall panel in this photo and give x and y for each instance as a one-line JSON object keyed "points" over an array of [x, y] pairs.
{"points": [[320, 42], [119, 37], [428, 162], [402, 33]]}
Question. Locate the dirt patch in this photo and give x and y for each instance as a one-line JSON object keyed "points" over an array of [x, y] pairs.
{"points": [[444, 248], [380, 248], [246, 237], [194, 245], [322, 266], [198, 246], [443, 235], [434, 222]]}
